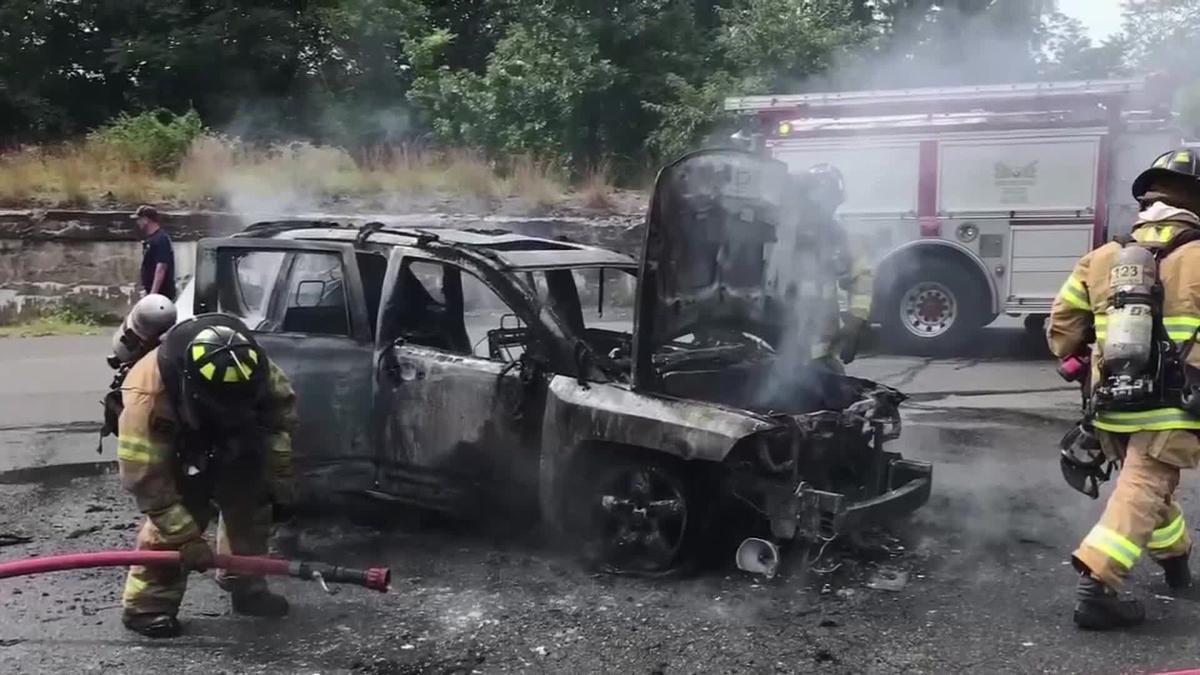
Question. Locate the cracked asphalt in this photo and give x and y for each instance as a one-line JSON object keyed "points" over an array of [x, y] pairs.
{"points": [[977, 581]]}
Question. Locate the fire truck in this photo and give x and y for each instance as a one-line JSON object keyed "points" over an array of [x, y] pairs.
{"points": [[972, 202]]}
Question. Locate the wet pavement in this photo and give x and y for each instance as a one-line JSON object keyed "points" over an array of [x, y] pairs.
{"points": [[977, 581]]}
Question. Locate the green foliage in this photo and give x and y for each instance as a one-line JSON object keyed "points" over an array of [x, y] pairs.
{"points": [[157, 139], [691, 111], [572, 82], [538, 94], [1162, 36], [1070, 54], [783, 42]]}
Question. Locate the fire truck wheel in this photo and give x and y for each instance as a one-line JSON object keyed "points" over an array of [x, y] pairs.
{"points": [[935, 309]]}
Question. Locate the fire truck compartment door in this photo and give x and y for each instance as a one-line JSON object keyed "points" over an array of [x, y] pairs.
{"points": [[881, 174], [1041, 258], [1049, 175]]}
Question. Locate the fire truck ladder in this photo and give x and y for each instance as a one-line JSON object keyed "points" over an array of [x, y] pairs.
{"points": [[979, 97]]}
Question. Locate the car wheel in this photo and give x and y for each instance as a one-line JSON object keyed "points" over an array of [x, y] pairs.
{"points": [[934, 310], [639, 515]]}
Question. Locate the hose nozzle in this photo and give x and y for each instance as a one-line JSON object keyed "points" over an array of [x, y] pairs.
{"points": [[374, 578]]}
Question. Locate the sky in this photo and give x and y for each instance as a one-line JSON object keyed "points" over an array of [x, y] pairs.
{"points": [[1102, 17]]}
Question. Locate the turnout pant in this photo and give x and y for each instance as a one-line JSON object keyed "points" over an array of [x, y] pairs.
{"points": [[244, 529], [1141, 514]]}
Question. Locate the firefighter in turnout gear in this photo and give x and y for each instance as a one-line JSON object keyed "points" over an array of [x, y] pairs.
{"points": [[838, 342], [204, 432], [1133, 301]]}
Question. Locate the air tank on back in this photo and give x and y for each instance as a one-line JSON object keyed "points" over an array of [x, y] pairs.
{"points": [[1130, 332], [140, 330]]}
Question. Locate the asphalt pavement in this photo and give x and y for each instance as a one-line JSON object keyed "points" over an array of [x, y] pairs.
{"points": [[977, 581]]}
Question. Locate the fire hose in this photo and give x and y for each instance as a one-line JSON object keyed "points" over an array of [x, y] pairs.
{"points": [[374, 578]]}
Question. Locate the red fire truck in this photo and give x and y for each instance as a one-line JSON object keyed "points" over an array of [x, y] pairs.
{"points": [[972, 202]]}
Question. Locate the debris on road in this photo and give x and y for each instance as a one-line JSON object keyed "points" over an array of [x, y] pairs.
{"points": [[83, 531], [9, 539], [889, 580]]}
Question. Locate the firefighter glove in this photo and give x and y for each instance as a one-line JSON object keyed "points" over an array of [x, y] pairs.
{"points": [[196, 555], [853, 330]]}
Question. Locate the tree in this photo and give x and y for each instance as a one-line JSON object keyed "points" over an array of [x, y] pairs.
{"points": [[53, 77], [1162, 36], [538, 94], [1068, 53]]}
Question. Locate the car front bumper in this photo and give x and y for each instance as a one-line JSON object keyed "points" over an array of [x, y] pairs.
{"points": [[802, 512]]}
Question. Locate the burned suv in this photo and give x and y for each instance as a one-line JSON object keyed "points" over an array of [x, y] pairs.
{"points": [[637, 404]]}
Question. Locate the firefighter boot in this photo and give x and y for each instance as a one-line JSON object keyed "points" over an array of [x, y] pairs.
{"points": [[259, 602], [152, 625], [1098, 607], [1177, 572]]}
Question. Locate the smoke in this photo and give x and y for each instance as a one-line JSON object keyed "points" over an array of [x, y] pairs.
{"points": [[941, 47], [1102, 19], [999, 499], [261, 178]]}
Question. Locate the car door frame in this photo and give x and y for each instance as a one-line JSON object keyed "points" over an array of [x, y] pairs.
{"points": [[424, 485], [345, 465], [207, 284]]}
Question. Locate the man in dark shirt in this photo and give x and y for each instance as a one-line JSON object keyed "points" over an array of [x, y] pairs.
{"points": [[158, 257]]}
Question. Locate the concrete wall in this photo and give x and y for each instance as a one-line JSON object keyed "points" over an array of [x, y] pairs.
{"points": [[91, 259]]}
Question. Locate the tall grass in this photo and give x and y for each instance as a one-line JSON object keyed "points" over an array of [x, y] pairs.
{"points": [[101, 173], [596, 188], [535, 182]]}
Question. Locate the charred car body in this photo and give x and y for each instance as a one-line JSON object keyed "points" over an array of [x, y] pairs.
{"points": [[460, 370]]}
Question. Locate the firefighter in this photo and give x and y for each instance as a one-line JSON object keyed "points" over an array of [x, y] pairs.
{"points": [[204, 431], [824, 190], [1132, 303]]}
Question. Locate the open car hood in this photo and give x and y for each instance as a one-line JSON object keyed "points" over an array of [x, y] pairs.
{"points": [[716, 231]]}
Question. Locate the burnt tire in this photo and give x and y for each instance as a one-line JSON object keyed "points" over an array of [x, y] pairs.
{"points": [[636, 514], [934, 309]]}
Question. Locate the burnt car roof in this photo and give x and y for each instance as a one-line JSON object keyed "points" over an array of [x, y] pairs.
{"points": [[511, 250]]}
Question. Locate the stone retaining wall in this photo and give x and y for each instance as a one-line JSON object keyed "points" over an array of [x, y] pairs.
{"points": [[90, 259]]}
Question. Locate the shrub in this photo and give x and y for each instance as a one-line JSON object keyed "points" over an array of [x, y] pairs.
{"points": [[158, 139]]}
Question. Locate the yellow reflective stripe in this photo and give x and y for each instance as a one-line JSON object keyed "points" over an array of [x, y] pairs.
{"points": [[1154, 234], [860, 302], [1074, 293], [137, 449], [1182, 320], [134, 586], [1160, 419], [1168, 535], [1113, 545], [175, 520], [1181, 328]]}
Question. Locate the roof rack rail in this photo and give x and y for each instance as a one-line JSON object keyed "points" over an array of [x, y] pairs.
{"points": [[294, 224], [368, 230]]}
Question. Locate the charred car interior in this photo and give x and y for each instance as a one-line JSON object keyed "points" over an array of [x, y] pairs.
{"points": [[635, 403]]}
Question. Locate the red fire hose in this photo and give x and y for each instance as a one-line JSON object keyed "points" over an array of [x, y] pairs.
{"points": [[374, 578]]}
